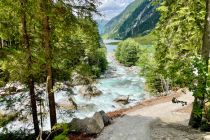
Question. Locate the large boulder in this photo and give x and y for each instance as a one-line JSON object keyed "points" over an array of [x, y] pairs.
{"points": [[106, 119], [89, 126], [95, 91], [122, 99], [69, 104], [89, 91]]}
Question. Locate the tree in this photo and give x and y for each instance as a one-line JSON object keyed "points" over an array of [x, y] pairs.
{"points": [[83, 9], [55, 39], [179, 38], [46, 38], [30, 79], [127, 52], [200, 92]]}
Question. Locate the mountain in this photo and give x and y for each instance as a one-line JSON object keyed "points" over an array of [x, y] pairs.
{"points": [[138, 18], [101, 25]]}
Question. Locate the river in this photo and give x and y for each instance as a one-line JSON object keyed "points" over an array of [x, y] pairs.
{"points": [[117, 81]]}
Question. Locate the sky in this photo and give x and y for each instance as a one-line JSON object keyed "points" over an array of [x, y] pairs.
{"points": [[111, 8]]}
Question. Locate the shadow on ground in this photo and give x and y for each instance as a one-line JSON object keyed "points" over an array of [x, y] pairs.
{"points": [[128, 128], [173, 131], [147, 128]]}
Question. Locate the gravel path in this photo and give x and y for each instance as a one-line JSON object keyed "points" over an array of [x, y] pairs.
{"points": [[128, 128], [161, 121]]}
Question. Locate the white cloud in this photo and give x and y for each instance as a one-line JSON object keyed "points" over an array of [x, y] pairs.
{"points": [[111, 8]]}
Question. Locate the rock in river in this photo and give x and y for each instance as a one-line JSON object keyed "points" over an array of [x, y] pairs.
{"points": [[89, 91], [67, 103], [122, 99]]}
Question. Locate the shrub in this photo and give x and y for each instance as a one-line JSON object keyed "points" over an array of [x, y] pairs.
{"points": [[127, 52]]}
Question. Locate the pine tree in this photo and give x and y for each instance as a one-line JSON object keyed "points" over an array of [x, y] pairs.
{"points": [[45, 7], [30, 79]]}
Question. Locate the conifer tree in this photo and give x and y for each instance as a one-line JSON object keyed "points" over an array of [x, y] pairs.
{"points": [[27, 49], [200, 92]]}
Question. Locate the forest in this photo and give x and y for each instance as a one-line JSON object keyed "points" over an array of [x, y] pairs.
{"points": [[44, 41], [57, 70], [179, 56]]}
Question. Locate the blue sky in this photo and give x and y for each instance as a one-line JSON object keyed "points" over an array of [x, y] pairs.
{"points": [[111, 8]]}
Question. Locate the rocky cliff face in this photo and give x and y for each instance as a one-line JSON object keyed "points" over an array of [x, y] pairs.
{"points": [[139, 17]]}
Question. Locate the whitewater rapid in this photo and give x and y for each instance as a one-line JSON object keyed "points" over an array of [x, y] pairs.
{"points": [[117, 81]]}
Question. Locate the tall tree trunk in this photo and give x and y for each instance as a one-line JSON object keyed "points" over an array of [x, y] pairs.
{"points": [[195, 120], [26, 44], [205, 52], [48, 57]]}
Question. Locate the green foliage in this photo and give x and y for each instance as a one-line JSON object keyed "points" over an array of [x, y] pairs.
{"points": [[4, 77], [61, 137], [176, 58], [65, 131], [17, 135], [102, 63], [148, 66], [148, 39], [73, 38], [127, 52], [179, 37]]}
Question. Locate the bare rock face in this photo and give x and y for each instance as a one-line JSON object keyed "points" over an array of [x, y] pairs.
{"points": [[122, 99], [93, 125]]}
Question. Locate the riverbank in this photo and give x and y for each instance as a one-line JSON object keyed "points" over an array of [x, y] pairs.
{"points": [[149, 102]]}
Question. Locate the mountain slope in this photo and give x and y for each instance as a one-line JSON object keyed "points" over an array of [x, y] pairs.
{"points": [[101, 25], [138, 18]]}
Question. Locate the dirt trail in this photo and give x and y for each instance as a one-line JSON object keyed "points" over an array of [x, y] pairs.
{"points": [[161, 121], [167, 112]]}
